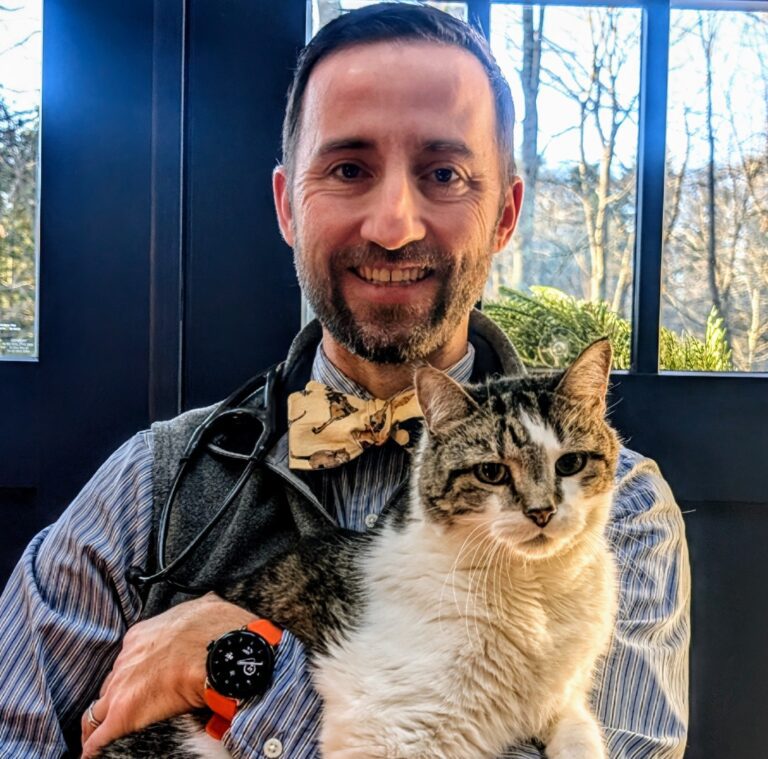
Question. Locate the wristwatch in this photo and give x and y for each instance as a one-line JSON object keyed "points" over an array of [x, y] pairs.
{"points": [[239, 666]]}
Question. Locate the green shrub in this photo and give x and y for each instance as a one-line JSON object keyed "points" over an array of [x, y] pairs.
{"points": [[550, 328]]}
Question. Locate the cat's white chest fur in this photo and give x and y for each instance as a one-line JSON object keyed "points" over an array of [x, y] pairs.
{"points": [[459, 659]]}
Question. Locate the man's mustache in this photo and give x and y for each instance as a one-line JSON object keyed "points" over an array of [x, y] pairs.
{"points": [[416, 253]]}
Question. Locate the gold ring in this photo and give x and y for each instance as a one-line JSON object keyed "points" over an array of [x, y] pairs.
{"points": [[92, 721]]}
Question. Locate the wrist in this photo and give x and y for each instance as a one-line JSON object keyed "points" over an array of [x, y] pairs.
{"points": [[239, 667]]}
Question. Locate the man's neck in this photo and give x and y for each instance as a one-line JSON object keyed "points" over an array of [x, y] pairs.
{"points": [[384, 380]]}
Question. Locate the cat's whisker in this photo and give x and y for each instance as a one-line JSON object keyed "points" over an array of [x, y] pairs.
{"points": [[633, 570], [471, 591], [483, 595], [451, 575], [498, 591], [475, 540]]}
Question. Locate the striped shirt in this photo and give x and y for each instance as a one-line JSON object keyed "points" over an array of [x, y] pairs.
{"points": [[68, 604]]}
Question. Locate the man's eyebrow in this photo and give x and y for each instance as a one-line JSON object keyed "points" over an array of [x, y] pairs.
{"points": [[351, 143], [448, 146]]}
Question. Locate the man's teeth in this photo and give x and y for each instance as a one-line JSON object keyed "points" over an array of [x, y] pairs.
{"points": [[392, 275]]}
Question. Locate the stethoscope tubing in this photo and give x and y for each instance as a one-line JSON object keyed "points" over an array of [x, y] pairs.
{"points": [[265, 414]]}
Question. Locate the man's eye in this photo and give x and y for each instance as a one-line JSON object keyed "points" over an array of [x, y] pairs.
{"points": [[348, 171], [444, 176]]}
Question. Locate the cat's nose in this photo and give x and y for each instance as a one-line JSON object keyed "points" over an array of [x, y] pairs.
{"points": [[540, 515]]}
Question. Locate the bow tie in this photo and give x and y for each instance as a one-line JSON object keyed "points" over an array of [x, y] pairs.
{"points": [[327, 428]]}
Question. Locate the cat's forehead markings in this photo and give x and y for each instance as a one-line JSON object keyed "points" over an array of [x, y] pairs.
{"points": [[540, 433]]}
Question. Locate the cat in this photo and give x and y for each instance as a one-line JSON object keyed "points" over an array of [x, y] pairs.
{"points": [[473, 618]]}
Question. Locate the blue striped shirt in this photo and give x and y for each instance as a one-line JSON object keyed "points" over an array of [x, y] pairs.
{"points": [[67, 606]]}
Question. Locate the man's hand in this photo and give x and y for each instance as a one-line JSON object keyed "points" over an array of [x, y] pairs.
{"points": [[160, 671]]}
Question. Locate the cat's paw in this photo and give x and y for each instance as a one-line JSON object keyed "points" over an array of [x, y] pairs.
{"points": [[594, 751], [576, 738]]}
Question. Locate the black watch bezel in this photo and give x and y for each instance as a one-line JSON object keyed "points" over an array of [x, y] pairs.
{"points": [[245, 683]]}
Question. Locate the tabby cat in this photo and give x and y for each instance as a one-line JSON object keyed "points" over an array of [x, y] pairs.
{"points": [[472, 619]]}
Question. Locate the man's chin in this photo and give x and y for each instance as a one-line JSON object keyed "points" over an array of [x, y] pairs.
{"points": [[390, 348], [385, 334], [395, 343]]}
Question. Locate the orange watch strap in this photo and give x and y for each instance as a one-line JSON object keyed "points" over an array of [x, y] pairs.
{"points": [[271, 633], [217, 726], [225, 707]]}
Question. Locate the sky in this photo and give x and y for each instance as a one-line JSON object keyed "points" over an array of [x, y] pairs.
{"points": [[21, 67]]}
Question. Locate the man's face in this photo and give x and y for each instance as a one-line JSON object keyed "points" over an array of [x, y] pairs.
{"points": [[396, 204]]}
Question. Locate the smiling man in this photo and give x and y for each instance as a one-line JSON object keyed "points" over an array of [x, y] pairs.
{"points": [[394, 203], [397, 188]]}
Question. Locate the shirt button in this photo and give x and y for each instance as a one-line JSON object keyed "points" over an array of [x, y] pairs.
{"points": [[370, 520], [273, 748]]}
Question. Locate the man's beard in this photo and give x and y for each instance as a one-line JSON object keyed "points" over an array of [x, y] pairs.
{"points": [[395, 333]]}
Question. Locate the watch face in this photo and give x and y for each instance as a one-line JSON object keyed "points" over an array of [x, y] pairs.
{"points": [[240, 664]]}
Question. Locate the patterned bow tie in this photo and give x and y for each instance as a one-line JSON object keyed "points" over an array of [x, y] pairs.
{"points": [[327, 428]]}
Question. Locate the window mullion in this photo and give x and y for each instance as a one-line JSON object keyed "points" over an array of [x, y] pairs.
{"points": [[650, 187], [479, 13]]}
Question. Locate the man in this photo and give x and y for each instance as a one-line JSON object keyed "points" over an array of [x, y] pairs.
{"points": [[397, 188]]}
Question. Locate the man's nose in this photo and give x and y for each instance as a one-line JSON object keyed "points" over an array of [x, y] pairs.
{"points": [[394, 216], [540, 514]]}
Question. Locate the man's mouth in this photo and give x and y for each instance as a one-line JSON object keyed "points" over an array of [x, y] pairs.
{"points": [[402, 276]]}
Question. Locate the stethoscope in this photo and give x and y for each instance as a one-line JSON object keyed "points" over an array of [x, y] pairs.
{"points": [[235, 431]]}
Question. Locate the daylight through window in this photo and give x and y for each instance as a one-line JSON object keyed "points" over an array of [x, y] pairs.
{"points": [[20, 77]]}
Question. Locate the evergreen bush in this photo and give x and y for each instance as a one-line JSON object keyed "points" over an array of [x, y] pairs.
{"points": [[550, 328]]}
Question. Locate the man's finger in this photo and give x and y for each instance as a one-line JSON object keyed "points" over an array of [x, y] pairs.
{"points": [[105, 733], [92, 718]]}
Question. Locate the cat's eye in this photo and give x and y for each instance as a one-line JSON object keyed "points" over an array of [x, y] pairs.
{"points": [[492, 473], [570, 463]]}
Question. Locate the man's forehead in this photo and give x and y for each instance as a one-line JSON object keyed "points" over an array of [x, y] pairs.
{"points": [[441, 91]]}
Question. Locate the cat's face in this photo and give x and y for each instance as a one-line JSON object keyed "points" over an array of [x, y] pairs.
{"points": [[529, 461]]}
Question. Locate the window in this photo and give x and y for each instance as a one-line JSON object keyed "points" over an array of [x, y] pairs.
{"points": [[566, 275], [20, 76], [715, 282]]}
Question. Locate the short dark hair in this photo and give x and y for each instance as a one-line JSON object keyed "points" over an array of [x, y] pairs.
{"points": [[399, 21]]}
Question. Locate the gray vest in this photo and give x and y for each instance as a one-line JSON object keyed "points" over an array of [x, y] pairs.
{"points": [[275, 507]]}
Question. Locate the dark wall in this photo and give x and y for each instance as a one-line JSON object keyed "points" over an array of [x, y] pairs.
{"points": [[729, 614], [242, 300]]}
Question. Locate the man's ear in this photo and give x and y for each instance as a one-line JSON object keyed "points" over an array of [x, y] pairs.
{"points": [[510, 212], [282, 195]]}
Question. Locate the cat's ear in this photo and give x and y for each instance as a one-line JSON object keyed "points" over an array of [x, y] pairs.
{"points": [[443, 401], [586, 380]]}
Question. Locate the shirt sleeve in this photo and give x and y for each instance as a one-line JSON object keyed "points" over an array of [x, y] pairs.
{"points": [[641, 696], [286, 722], [67, 605]]}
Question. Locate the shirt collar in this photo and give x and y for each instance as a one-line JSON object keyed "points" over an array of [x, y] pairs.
{"points": [[329, 374]]}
